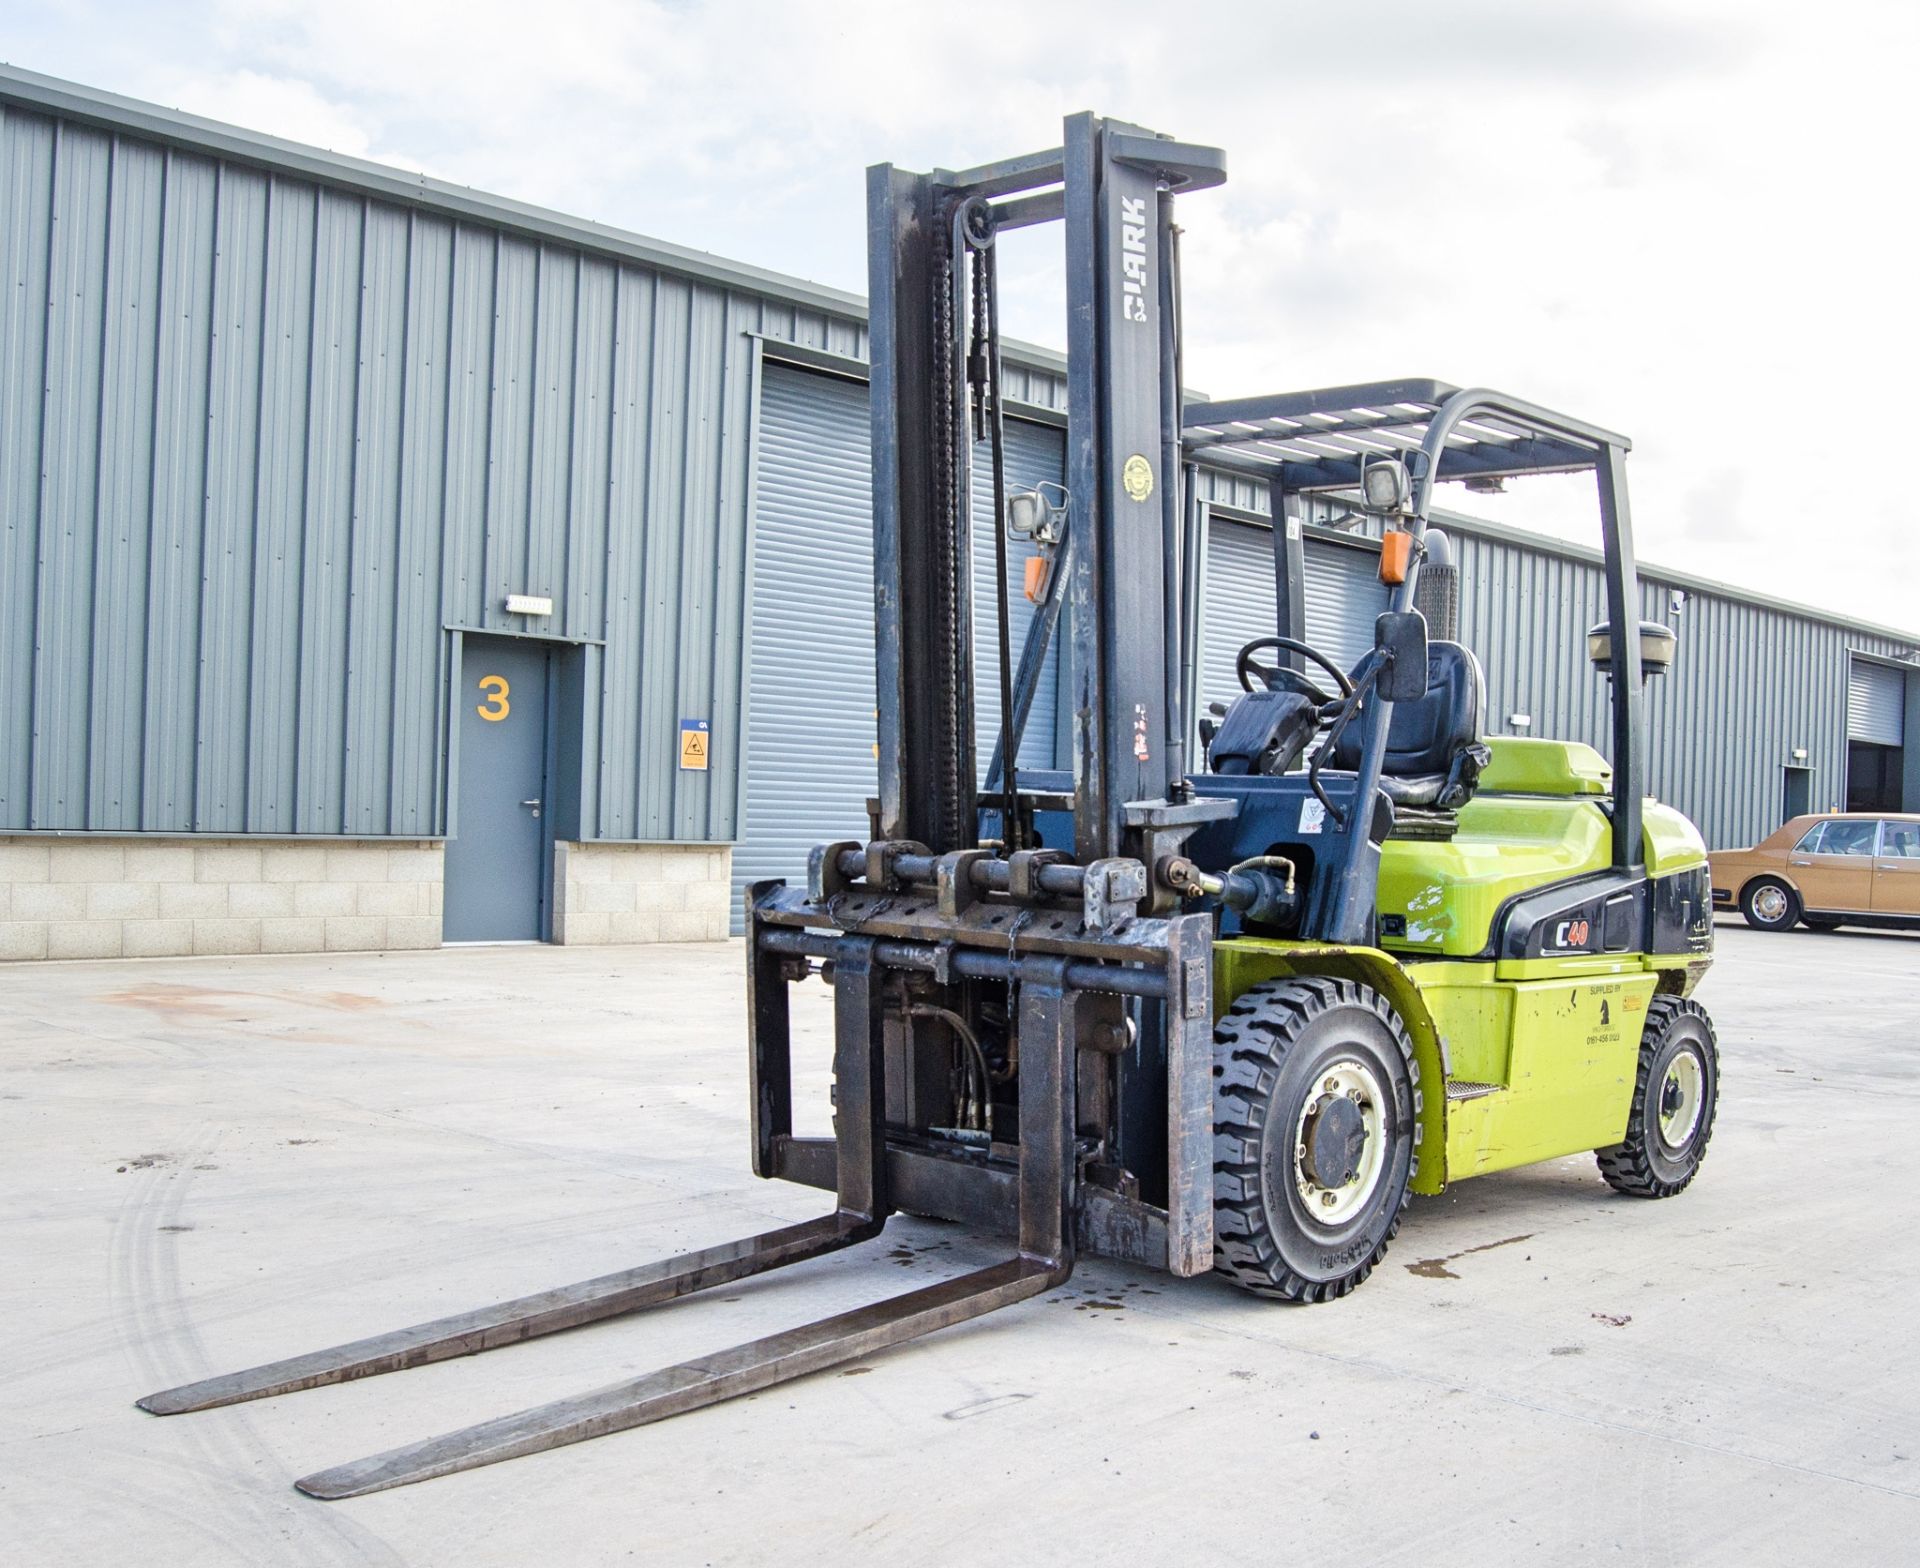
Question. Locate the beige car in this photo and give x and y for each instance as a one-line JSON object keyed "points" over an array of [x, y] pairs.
{"points": [[1845, 868]]}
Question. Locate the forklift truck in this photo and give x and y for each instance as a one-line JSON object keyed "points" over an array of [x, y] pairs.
{"points": [[1225, 1015]]}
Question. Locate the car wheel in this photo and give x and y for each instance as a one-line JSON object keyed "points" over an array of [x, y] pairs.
{"points": [[1769, 904]]}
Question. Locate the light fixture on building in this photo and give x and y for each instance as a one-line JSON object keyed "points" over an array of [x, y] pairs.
{"points": [[528, 604], [1799, 753], [1678, 599], [1520, 721]]}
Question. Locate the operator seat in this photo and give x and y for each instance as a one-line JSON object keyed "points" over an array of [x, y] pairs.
{"points": [[1434, 751]]}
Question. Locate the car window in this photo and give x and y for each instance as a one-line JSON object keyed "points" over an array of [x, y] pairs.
{"points": [[1811, 842], [1900, 840], [1848, 838]]}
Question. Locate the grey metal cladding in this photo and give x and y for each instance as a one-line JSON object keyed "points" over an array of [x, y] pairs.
{"points": [[1753, 682], [811, 719], [266, 437], [272, 421]]}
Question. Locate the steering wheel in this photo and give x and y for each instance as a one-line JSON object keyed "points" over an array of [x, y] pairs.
{"points": [[1280, 675]]}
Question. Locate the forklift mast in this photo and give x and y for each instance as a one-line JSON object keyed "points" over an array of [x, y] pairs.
{"points": [[1113, 185]]}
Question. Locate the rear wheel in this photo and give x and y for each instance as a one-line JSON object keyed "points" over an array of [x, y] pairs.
{"points": [[1316, 1118], [1769, 904], [1676, 1092]]}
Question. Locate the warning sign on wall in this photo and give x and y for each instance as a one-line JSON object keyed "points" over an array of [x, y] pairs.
{"points": [[693, 745]]}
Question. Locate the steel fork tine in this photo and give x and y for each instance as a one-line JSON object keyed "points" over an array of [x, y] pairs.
{"points": [[527, 1317], [692, 1385], [1046, 1176]]}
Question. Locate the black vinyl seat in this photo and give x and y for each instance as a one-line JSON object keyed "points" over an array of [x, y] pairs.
{"points": [[1434, 751]]}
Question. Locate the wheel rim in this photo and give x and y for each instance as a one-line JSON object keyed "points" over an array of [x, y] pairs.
{"points": [[1770, 903], [1328, 1203], [1682, 1095]]}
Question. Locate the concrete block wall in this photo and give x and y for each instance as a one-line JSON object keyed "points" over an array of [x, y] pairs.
{"points": [[152, 898], [641, 892]]}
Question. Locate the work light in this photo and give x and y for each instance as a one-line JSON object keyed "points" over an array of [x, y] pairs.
{"points": [[1386, 485]]}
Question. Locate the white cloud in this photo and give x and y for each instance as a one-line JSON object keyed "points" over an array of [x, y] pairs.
{"points": [[1687, 221]]}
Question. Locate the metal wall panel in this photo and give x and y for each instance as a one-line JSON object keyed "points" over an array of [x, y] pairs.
{"points": [[810, 729], [272, 422], [1751, 686], [1876, 703], [1755, 682], [273, 427]]}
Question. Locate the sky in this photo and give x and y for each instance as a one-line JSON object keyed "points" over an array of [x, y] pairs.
{"points": [[1690, 221]]}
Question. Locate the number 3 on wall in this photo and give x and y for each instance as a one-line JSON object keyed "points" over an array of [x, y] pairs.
{"points": [[496, 707]]}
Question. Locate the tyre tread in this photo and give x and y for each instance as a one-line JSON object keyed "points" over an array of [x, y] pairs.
{"points": [[1626, 1167], [1275, 1012]]}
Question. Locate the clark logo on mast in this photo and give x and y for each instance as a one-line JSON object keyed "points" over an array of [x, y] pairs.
{"points": [[1133, 258]]}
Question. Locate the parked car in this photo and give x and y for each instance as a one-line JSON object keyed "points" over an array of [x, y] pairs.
{"points": [[1840, 869]]}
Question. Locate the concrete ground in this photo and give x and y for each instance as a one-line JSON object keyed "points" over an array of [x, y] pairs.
{"points": [[208, 1163]]}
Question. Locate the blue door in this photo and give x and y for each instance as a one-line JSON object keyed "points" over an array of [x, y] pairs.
{"points": [[496, 877]]}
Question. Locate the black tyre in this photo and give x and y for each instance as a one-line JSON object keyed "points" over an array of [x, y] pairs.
{"points": [[1316, 1131], [1820, 922], [1769, 904], [1675, 1095]]}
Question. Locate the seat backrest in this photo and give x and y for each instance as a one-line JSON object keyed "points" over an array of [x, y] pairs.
{"points": [[1424, 737]]}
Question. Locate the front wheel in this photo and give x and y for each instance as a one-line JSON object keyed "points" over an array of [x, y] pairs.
{"points": [[1676, 1092], [1316, 1122], [1769, 904]]}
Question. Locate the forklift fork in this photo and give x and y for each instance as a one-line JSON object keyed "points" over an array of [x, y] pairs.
{"points": [[1044, 1259]]}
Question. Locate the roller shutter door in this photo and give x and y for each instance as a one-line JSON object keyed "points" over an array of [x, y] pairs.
{"points": [[1239, 605], [1876, 703], [809, 754], [1344, 594], [1035, 454]]}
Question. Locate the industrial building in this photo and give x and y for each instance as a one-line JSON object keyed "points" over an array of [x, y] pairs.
{"points": [[388, 564]]}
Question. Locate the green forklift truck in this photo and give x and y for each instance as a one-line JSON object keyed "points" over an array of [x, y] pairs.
{"points": [[1220, 1009], [1506, 966]]}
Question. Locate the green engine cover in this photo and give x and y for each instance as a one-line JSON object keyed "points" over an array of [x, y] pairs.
{"points": [[1439, 898]]}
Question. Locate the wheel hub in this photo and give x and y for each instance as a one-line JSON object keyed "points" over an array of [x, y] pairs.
{"points": [[1339, 1144], [1681, 1099], [1770, 903], [1336, 1136]]}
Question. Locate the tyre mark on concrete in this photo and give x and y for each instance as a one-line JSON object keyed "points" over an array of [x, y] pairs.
{"points": [[162, 1343]]}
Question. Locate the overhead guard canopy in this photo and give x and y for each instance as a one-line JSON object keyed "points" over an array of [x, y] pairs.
{"points": [[1317, 440]]}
